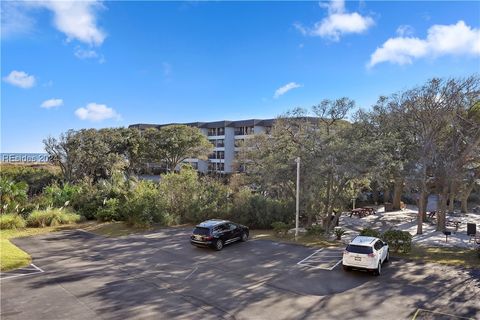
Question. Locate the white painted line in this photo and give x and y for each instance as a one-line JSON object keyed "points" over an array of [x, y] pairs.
{"points": [[314, 267], [37, 268], [336, 264], [16, 275], [196, 268], [310, 255]]}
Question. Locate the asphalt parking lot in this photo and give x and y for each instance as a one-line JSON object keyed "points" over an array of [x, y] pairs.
{"points": [[161, 276]]}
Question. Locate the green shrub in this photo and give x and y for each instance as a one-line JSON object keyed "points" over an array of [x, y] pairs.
{"points": [[280, 228], [60, 196], [339, 232], [258, 211], [12, 195], [181, 195], [109, 211], [144, 206], [315, 230], [88, 200], [36, 176], [51, 217], [11, 221], [369, 232], [398, 240]]}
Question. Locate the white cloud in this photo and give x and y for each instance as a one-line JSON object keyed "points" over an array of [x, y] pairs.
{"points": [[455, 39], [20, 79], [14, 19], [405, 30], [85, 54], [76, 19], [96, 112], [337, 23], [52, 103], [284, 89]]}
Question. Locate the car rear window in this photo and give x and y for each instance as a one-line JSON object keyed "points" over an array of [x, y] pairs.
{"points": [[359, 249], [201, 231]]}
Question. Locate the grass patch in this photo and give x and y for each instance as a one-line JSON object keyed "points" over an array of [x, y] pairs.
{"points": [[306, 240], [460, 257], [11, 256]]}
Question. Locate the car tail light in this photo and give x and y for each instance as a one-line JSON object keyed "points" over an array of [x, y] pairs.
{"points": [[371, 255], [209, 238]]}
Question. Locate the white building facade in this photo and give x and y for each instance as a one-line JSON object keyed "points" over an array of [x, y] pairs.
{"points": [[226, 136]]}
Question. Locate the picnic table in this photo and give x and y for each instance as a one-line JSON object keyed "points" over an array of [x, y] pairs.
{"points": [[362, 212], [454, 223]]}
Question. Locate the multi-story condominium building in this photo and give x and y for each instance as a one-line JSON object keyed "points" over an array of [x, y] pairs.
{"points": [[226, 136]]}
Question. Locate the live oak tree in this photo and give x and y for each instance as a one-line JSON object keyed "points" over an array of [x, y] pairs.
{"points": [[333, 163], [170, 145], [94, 154], [445, 139]]}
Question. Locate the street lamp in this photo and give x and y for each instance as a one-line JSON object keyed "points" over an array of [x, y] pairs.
{"points": [[297, 204]]}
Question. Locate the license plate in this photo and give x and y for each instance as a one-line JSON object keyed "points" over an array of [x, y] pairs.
{"points": [[358, 259]]}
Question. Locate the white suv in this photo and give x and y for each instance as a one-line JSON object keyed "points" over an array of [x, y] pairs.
{"points": [[365, 253]]}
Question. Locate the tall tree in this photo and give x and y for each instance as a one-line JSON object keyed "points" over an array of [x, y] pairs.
{"points": [[173, 144]]}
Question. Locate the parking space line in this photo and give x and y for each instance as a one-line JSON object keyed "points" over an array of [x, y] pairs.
{"points": [[318, 261], [336, 264], [196, 268], [310, 255], [16, 275], [440, 313]]}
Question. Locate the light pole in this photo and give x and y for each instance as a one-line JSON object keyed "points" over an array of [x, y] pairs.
{"points": [[297, 204]]}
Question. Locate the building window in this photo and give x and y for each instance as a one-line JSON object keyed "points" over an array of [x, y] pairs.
{"points": [[220, 143], [216, 166], [240, 131], [216, 131], [217, 155]]}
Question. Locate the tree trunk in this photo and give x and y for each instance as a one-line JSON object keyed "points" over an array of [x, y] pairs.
{"points": [[375, 195], [397, 193], [386, 196], [451, 199], [422, 201], [464, 197], [441, 213]]}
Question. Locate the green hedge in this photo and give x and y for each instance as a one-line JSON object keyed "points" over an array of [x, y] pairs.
{"points": [[369, 232], [398, 240]]}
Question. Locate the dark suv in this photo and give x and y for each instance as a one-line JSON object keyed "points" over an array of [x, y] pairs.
{"points": [[217, 233]]}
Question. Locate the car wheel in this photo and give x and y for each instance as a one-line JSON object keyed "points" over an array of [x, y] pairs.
{"points": [[218, 245], [346, 268], [244, 237], [387, 258], [378, 271]]}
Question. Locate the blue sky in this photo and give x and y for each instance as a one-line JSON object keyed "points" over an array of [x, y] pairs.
{"points": [[68, 65]]}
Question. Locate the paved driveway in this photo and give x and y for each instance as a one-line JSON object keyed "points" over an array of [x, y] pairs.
{"points": [[161, 276]]}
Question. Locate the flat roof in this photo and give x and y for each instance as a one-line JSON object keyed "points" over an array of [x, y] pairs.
{"points": [[211, 124]]}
